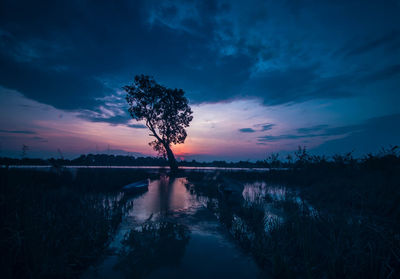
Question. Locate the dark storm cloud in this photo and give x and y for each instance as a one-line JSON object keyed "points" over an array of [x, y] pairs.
{"points": [[55, 52], [17, 132], [68, 55], [280, 86], [386, 40], [386, 73], [65, 90], [71, 54], [370, 137], [299, 84], [364, 136]]}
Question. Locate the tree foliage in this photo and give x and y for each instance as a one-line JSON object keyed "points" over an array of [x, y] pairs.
{"points": [[165, 112]]}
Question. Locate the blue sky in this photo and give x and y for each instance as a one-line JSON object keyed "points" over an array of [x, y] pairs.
{"points": [[261, 76]]}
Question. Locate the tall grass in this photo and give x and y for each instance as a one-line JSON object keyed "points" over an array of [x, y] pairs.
{"points": [[54, 224], [352, 231], [305, 245], [153, 245]]}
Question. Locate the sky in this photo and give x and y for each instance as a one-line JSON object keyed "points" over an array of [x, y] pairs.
{"points": [[261, 77]]}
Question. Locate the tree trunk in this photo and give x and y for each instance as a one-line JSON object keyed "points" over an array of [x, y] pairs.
{"points": [[173, 164]]}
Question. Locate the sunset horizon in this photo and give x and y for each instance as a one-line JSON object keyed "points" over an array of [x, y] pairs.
{"points": [[200, 139], [258, 82]]}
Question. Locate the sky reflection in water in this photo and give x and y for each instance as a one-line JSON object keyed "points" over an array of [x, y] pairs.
{"points": [[208, 251]]}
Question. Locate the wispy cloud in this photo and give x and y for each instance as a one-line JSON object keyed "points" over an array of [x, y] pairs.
{"points": [[307, 130], [313, 132], [40, 139], [247, 130], [17, 132], [137, 126], [270, 138], [259, 128], [266, 126]]}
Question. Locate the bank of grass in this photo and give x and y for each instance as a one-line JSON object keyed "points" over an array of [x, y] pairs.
{"points": [[153, 245], [368, 188], [54, 224], [356, 233], [306, 245], [353, 230]]}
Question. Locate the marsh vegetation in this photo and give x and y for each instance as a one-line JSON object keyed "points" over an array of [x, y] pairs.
{"points": [[314, 219]]}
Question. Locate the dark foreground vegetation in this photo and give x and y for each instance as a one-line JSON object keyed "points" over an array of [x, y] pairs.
{"points": [[337, 219], [317, 218], [54, 224], [151, 246]]}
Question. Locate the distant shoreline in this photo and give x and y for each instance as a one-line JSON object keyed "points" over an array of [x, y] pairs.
{"points": [[144, 167], [104, 160]]}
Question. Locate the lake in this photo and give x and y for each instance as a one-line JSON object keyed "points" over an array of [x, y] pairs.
{"points": [[208, 250]]}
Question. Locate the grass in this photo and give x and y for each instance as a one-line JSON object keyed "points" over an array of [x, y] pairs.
{"points": [[54, 224], [151, 246], [352, 232], [309, 246]]}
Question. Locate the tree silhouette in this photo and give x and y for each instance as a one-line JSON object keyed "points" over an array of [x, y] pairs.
{"points": [[165, 111]]}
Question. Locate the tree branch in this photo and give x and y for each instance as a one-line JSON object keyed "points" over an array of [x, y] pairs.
{"points": [[150, 126]]}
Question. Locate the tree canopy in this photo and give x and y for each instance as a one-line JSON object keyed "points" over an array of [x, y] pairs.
{"points": [[165, 111]]}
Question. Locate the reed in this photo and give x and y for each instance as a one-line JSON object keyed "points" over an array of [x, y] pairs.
{"points": [[54, 224]]}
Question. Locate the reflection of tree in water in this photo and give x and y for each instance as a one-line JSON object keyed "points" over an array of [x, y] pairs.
{"points": [[153, 245]]}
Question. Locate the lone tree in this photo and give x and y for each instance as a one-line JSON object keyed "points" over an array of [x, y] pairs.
{"points": [[165, 111]]}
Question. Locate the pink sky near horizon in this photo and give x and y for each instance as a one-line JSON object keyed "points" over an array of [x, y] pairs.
{"points": [[213, 133]]}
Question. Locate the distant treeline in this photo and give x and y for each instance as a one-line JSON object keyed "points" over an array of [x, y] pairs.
{"points": [[119, 160], [298, 158], [89, 160]]}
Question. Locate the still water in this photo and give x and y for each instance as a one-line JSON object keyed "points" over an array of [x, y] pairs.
{"points": [[168, 232]]}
